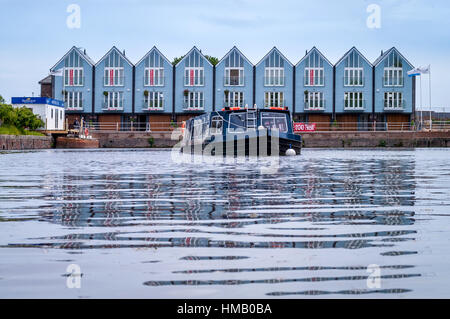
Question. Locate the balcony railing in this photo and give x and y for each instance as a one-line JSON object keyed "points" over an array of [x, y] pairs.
{"points": [[394, 81], [153, 105], [117, 81], [316, 81], [157, 81], [198, 105], [315, 105], [233, 81], [275, 103], [77, 81], [353, 81], [274, 80], [394, 105], [194, 81], [114, 107], [354, 105]]}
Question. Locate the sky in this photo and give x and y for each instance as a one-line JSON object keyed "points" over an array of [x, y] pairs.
{"points": [[35, 33]]}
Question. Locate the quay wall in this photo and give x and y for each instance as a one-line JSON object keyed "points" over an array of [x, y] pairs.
{"points": [[329, 139], [376, 139], [115, 139], [25, 142]]}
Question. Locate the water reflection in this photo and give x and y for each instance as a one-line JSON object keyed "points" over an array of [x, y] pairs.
{"points": [[207, 215]]}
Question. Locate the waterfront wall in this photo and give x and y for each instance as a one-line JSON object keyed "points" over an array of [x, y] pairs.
{"points": [[310, 140], [25, 142], [133, 139], [376, 139]]}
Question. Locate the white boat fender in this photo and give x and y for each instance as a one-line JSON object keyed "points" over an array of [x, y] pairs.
{"points": [[290, 151]]}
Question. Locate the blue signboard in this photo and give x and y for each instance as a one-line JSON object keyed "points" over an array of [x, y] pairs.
{"points": [[37, 100]]}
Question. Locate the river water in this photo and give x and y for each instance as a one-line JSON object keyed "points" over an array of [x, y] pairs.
{"points": [[139, 224]]}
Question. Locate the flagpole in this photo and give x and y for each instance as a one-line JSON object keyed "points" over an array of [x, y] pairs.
{"points": [[421, 105], [429, 79]]}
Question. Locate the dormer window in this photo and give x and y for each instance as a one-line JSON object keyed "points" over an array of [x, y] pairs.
{"points": [[114, 71], [234, 70], [393, 70], [353, 71], [73, 76], [114, 76], [274, 70], [73, 70], [314, 70], [154, 69], [194, 72]]}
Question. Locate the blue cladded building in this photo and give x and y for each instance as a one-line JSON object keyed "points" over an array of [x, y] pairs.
{"points": [[352, 91]]}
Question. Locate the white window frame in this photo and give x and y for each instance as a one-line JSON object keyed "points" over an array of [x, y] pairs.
{"points": [[154, 101], [234, 99], [78, 79], [118, 76], [354, 73], [114, 101], [319, 75], [158, 76], [274, 76], [194, 101], [73, 100], [227, 79], [354, 100], [393, 76], [274, 99], [314, 101], [199, 76], [396, 98]]}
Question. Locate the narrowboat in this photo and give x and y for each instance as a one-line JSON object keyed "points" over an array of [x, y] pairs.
{"points": [[241, 131]]}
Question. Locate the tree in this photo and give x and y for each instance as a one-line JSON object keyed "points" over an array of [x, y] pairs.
{"points": [[2, 100], [212, 59], [177, 59], [21, 117]]}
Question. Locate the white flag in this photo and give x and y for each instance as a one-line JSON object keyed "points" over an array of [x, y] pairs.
{"points": [[419, 71], [58, 72]]}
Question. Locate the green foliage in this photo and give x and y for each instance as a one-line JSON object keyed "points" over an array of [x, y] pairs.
{"points": [[22, 117], [177, 59], [212, 59], [2, 100], [151, 141], [382, 143]]}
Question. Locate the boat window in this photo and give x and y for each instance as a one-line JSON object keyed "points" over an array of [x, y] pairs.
{"points": [[274, 120], [238, 122], [216, 125]]}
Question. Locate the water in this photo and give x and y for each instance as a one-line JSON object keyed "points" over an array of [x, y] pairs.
{"points": [[141, 226]]}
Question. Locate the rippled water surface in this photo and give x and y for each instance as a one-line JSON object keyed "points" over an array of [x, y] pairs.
{"points": [[140, 225]]}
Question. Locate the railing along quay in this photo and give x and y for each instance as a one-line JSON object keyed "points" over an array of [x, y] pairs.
{"points": [[167, 127]]}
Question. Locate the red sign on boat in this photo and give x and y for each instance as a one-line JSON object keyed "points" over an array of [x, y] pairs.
{"points": [[304, 127]]}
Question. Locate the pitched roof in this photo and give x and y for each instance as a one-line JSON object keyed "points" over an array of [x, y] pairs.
{"points": [[46, 80], [312, 50], [239, 51], [80, 52], [120, 53], [187, 54], [271, 50], [153, 49], [348, 52], [385, 54]]}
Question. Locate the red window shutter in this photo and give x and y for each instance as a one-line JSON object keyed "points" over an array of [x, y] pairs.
{"points": [[111, 77], [311, 77], [151, 77], [192, 77], [71, 77]]}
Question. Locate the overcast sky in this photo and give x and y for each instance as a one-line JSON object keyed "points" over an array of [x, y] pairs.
{"points": [[35, 35]]}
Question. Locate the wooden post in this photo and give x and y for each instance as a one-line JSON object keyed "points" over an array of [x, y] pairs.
{"points": [[117, 126]]}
